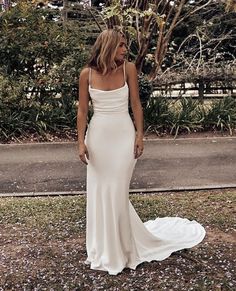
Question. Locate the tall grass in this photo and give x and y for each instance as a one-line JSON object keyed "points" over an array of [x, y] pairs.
{"points": [[185, 116], [173, 117], [221, 115]]}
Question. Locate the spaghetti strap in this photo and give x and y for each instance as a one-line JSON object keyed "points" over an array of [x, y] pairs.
{"points": [[124, 72], [90, 75]]}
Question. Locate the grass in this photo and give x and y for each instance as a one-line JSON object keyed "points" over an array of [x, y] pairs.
{"points": [[43, 245]]}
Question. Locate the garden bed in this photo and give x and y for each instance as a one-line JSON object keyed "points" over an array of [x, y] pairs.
{"points": [[71, 136]]}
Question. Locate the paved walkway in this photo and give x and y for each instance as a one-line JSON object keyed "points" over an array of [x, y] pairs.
{"points": [[165, 165]]}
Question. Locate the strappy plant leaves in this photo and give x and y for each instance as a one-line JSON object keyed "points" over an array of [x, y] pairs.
{"points": [[162, 115]]}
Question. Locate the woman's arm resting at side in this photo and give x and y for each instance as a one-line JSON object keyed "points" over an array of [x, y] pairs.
{"points": [[82, 114], [136, 106]]}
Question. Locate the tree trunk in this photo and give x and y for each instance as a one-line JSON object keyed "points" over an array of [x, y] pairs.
{"points": [[65, 10], [164, 38], [201, 90]]}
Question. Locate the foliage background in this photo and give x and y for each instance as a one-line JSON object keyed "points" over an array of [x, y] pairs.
{"points": [[40, 61]]}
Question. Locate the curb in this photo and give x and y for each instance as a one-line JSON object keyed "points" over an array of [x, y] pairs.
{"points": [[145, 140], [131, 191]]}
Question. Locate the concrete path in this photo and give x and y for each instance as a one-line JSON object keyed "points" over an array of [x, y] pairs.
{"points": [[165, 165]]}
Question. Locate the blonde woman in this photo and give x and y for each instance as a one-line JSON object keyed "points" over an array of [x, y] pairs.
{"points": [[116, 238]]}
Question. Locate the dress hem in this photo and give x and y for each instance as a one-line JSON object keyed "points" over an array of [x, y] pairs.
{"points": [[147, 259]]}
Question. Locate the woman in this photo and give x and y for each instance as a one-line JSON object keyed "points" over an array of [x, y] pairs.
{"points": [[115, 236]]}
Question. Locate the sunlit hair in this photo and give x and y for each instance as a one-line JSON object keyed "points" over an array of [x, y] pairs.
{"points": [[104, 51]]}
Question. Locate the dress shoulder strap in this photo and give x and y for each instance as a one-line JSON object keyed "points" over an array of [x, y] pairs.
{"points": [[90, 76], [124, 71]]}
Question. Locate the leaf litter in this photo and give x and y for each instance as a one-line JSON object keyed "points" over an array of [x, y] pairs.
{"points": [[42, 245]]}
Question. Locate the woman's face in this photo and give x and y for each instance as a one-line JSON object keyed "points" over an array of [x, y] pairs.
{"points": [[121, 51]]}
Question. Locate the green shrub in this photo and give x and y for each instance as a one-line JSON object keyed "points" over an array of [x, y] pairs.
{"points": [[145, 90], [185, 117], [164, 115], [40, 112], [157, 115], [221, 115], [40, 61]]}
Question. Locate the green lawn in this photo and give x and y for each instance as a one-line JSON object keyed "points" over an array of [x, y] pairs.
{"points": [[43, 245]]}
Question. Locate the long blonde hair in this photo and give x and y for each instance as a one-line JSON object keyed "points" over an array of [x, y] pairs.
{"points": [[104, 51]]}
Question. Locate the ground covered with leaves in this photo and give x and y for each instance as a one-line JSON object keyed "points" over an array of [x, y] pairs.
{"points": [[42, 245]]}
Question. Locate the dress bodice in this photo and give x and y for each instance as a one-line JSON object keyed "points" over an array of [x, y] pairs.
{"points": [[112, 101], [109, 101]]}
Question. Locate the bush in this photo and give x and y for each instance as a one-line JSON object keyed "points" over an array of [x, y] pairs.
{"points": [[37, 112], [145, 90], [162, 115], [40, 63], [185, 117], [221, 115], [157, 115]]}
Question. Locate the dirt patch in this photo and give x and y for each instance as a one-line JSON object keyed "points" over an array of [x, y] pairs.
{"points": [[216, 235]]}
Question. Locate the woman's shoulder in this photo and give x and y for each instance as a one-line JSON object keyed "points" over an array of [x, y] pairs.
{"points": [[130, 69], [130, 66], [84, 73]]}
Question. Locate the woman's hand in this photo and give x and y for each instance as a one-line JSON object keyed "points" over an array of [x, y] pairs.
{"points": [[138, 146], [83, 151]]}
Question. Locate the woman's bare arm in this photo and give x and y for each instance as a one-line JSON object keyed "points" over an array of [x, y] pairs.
{"points": [[136, 106], [82, 113]]}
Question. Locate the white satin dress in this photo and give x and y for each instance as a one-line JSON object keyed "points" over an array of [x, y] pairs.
{"points": [[116, 237]]}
